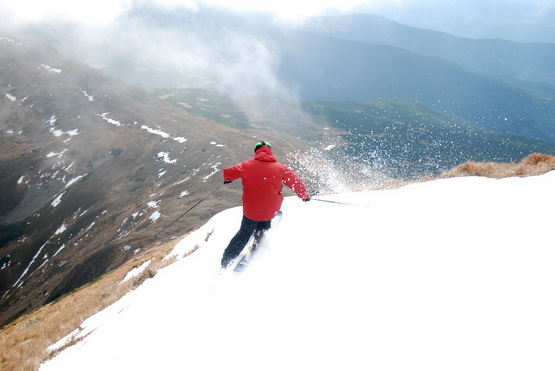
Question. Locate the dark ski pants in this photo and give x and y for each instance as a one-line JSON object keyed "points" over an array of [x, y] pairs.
{"points": [[238, 242]]}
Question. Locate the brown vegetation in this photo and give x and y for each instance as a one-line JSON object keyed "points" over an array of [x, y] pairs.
{"points": [[24, 342], [534, 164]]}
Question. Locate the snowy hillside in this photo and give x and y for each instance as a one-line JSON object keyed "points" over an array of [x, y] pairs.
{"points": [[452, 274]]}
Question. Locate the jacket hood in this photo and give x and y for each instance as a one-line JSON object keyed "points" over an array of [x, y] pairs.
{"points": [[265, 154]]}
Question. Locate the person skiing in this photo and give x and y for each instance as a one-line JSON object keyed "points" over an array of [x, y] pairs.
{"points": [[262, 178]]}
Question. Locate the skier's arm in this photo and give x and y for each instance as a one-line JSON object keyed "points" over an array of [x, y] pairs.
{"points": [[232, 173], [291, 180]]}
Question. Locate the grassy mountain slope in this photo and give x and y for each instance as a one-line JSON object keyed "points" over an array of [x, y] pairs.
{"points": [[91, 169]]}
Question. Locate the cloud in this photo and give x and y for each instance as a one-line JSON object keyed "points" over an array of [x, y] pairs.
{"points": [[20, 12], [104, 12], [154, 44]]}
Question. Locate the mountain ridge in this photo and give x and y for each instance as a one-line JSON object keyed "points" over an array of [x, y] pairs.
{"points": [[497, 57]]}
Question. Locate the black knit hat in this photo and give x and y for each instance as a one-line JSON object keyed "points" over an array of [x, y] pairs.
{"points": [[260, 144]]}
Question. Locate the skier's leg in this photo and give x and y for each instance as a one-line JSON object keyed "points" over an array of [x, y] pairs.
{"points": [[261, 227], [239, 241]]}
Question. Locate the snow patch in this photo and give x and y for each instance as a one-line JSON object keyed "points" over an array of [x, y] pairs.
{"points": [[155, 216], [153, 204], [57, 200], [11, 97], [89, 97], [58, 251], [61, 229], [74, 180], [214, 168], [109, 120], [50, 69], [135, 272], [165, 156], [59, 133], [155, 131]]}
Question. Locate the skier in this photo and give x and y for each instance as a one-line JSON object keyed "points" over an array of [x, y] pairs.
{"points": [[263, 178]]}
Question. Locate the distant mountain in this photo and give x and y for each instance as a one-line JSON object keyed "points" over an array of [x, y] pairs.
{"points": [[331, 69], [91, 169], [525, 61], [516, 20]]}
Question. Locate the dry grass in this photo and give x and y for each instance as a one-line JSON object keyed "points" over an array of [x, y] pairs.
{"points": [[534, 164], [24, 342]]}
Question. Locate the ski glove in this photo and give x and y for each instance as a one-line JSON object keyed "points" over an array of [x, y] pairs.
{"points": [[306, 199], [227, 181]]}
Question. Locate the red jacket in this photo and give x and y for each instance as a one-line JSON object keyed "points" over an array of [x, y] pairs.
{"points": [[263, 178]]}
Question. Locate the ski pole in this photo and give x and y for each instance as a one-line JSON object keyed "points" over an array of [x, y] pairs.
{"points": [[191, 208], [337, 202]]}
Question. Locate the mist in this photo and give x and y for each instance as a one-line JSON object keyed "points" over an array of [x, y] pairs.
{"points": [[178, 44], [205, 48]]}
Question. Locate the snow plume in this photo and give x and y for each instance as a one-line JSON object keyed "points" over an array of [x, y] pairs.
{"points": [[331, 170]]}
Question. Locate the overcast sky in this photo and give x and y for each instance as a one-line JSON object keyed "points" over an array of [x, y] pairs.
{"points": [[105, 11]]}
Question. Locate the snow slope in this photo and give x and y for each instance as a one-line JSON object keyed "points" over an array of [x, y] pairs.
{"points": [[454, 274]]}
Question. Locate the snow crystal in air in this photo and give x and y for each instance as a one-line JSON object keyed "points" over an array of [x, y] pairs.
{"points": [[11, 97], [330, 147]]}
